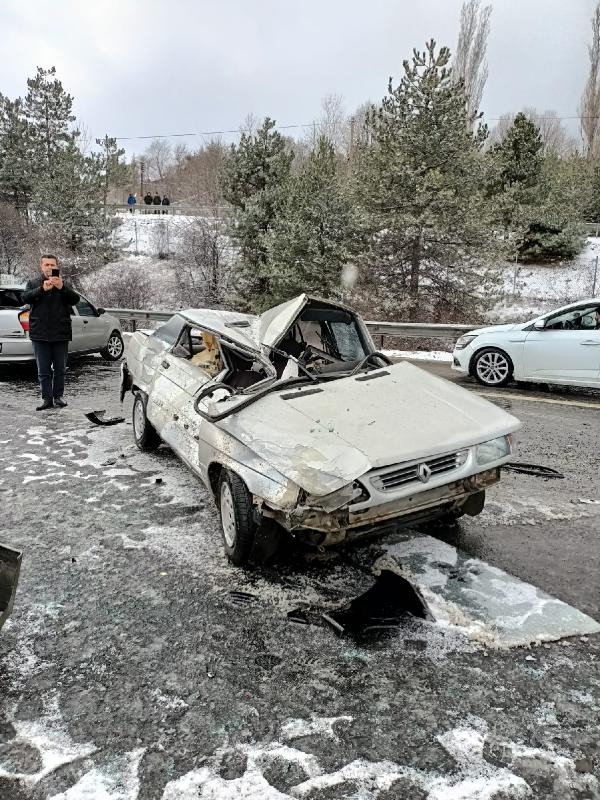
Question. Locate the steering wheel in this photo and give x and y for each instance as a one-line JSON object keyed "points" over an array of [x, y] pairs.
{"points": [[310, 353], [368, 358], [211, 389]]}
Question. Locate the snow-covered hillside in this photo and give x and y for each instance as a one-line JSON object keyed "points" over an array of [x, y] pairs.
{"points": [[527, 290]]}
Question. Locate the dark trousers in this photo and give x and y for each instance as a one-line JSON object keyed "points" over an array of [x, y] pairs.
{"points": [[51, 359]]}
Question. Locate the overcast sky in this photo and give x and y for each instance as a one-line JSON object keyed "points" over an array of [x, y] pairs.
{"points": [[147, 67]]}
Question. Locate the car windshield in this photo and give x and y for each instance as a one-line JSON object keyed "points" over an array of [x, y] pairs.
{"points": [[324, 340]]}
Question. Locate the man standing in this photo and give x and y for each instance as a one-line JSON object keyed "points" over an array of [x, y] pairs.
{"points": [[51, 302]]}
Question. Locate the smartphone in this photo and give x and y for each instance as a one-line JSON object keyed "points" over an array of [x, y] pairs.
{"points": [[55, 272]]}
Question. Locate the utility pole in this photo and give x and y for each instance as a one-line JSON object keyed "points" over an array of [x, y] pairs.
{"points": [[142, 170], [351, 146], [595, 277]]}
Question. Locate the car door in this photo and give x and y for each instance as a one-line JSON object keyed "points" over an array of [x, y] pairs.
{"points": [[180, 381], [94, 334], [566, 350]]}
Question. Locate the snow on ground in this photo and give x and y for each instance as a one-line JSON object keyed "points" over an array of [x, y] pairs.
{"points": [[421, 355], [149, 234]]}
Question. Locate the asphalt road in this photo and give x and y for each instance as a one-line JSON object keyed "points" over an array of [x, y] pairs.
{"points": [[139, 664]]}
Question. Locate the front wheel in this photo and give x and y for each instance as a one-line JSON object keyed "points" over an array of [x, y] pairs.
{"points": [[492, 367], [114, 347], [237, 518], [144, 433]]}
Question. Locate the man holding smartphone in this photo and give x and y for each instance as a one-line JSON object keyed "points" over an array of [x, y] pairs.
{"points": [[51, 301]]}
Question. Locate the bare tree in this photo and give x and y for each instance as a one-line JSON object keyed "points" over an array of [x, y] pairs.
{"points": [[202, 265], [159, 159], [469, 64], [589, 106], [131, 288], [17, 244], [333, 123]]}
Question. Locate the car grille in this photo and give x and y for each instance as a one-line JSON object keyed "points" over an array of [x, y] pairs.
{"points": [[421, 471]]}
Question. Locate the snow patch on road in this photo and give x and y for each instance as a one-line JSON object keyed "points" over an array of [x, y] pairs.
{"points": [[116, 780]]}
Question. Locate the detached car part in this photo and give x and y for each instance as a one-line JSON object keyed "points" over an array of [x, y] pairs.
{"points": [[10, 566]]}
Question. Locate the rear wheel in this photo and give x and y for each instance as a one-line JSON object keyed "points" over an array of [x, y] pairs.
{"points": [[114, 347], [144, 433], [237, 518], [492, 367]]}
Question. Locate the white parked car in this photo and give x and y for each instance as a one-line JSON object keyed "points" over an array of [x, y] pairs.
{"points": [[294, 418], [562, 346], [94, 331]]}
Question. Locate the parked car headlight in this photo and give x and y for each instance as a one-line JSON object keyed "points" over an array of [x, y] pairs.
{"points": [[494, 449], [464, 341]]}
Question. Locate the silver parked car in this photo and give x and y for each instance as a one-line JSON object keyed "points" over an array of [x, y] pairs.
{"points": [[294, 418], [94, 331]]}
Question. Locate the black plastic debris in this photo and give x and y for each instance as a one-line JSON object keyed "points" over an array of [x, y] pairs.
{"points": [[536, 470], [385, 605], [242, 598], [299, 616], [99, 418], [10, 566]]}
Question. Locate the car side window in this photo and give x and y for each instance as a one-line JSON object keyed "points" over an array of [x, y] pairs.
{"points": [[85, 309], [575, 319]]}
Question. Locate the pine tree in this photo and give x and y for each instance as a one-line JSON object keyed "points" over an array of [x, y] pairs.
{"points": [[16, 155], [538, 200], [419, 183], [253, 180], [311, 241], [49, 111]]}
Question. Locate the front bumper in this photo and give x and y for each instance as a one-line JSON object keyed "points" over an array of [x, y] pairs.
{"points": [[460, 361], [328, 528]]}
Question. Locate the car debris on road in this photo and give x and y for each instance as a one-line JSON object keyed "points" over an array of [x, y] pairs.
{"points": [[10, 566]]}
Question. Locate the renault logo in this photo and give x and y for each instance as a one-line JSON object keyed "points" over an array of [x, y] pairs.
{"points": [[424, 473]]}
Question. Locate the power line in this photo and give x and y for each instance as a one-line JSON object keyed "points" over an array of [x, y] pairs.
{"points": [[205, 133]]}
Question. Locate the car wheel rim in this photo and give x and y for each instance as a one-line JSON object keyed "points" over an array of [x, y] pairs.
{"points": [[492, 368], [228, 515], [139, 420], [115, 347]]}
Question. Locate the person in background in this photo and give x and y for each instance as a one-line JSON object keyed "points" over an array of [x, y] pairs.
{"points": [[148, 199], [166, 202], [131, 201], [156, 202], [51, 301]]}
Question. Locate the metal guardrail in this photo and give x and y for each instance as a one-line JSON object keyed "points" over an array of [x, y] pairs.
{"points": [[404, 330], [172, 210]]}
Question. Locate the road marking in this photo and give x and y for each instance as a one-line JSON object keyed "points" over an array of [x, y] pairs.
{"points": [[550, 401]]}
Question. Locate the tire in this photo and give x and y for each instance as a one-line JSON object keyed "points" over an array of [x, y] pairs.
{"points": [[492, 367], [144, 433], [237, 518], [114, 347]]}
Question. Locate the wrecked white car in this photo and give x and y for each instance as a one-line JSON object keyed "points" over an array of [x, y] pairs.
{"points": [[294, 418]]}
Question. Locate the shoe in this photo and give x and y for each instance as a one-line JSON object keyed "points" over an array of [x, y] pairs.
{"points": [[45, 405], [59, 402]]}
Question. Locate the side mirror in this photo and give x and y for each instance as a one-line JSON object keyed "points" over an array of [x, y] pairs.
{"points": [[100, 311], [539, 325]]}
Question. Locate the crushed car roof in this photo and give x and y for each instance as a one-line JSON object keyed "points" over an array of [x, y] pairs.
{"points": [[250, 330]]}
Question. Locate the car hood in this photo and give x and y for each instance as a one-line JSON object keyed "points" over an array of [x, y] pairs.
{"points": [[326, 436], [496, 328]]}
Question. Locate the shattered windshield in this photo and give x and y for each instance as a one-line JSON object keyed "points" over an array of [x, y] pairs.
{"points": [[324, 339]]}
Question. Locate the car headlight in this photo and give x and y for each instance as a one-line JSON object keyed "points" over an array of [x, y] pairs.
{"points": [[464, 341], [494, 449]]}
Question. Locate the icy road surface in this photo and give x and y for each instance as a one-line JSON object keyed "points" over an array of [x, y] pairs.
{"points": [[130, 671]]}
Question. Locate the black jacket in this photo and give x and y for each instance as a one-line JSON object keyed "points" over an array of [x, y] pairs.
{"points": [[156, 200], [50, 315], [148, 199]]}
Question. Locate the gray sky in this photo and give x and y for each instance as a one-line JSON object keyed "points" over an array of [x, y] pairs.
{"points": [[146, 67]]}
